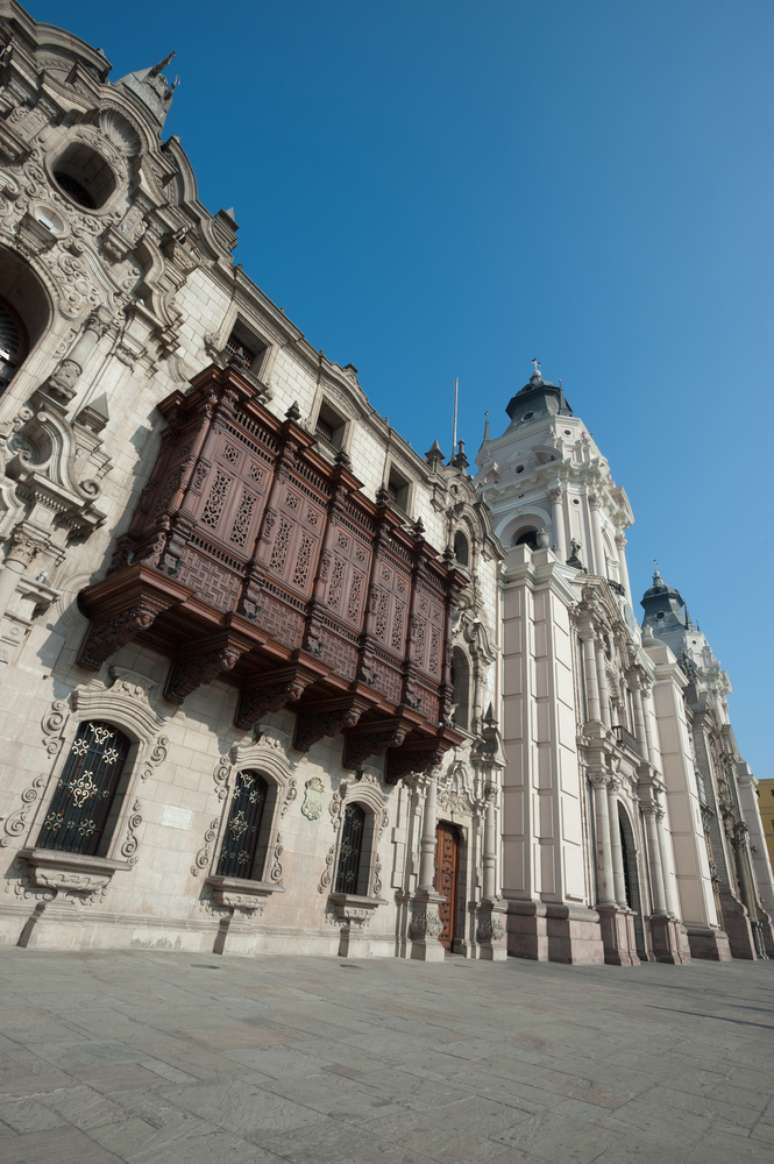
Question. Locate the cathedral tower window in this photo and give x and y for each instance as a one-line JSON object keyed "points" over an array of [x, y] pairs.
{"points": [[13, 343], [461, 549], [83, 807], [461, 688], [353, 871], [84, 176], [527, 537], [245, 840]]}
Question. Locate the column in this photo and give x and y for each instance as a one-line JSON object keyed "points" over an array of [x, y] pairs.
{"points": [[63, 380], [639, 718], [654, 851], [21, 551], [619, 880], [647, 712], [604, 686], [667, 865], [596, 533], [427, 841], [588, 651], [605, 883], [557, 520], [490, 847], [623, 567]]}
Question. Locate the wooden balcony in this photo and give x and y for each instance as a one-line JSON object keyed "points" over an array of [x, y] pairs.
{"points": [[251, 558]]}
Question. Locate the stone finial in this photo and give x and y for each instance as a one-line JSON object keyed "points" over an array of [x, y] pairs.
{"points": [[152, 88], [294, 412], [434, 455], [459, 460]]}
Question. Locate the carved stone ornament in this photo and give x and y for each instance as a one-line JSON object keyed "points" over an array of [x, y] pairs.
{"points": [[238, 893], [353, 909], [53, 725], [71, 872], [313, 793], [425, 921], [131, 843], [491, 922], [202, 858]]}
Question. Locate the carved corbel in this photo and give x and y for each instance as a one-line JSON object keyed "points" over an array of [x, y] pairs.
{"points": [[271, 692], [373, 738], [326, 717], [203, 661], [417, 755], [120, 608]]}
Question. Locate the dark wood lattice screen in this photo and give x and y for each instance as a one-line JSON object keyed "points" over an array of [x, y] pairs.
{"points": [[240, 843], [352, 875], [84, 796]]}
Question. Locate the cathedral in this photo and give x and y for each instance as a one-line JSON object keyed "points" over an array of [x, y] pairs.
{"points": [[270, 681]]}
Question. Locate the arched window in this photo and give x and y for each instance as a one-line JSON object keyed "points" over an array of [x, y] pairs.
{"points": [[461, 688], [527, 537], [461, 549], [243, 853], [25, 313], [13, 343], [85, 797], [355, 851]]}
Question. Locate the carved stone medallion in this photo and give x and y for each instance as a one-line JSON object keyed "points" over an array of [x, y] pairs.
{"points": [[313, 793]]}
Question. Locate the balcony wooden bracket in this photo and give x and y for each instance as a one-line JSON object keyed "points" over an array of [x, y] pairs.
{"points": [[271, 691], [327, 717], [203, 661], [125, 605]]}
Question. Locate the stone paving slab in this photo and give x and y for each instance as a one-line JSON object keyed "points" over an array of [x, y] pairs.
{"points": [[153, 1058]]}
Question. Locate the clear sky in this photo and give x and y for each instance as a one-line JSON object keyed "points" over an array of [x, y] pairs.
{"points": [[435, 189]]}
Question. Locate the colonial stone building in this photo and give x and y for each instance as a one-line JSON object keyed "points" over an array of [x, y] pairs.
{"points": [[232, 596], [269, 679], [765, 790], [736, 845], [616, 843]]}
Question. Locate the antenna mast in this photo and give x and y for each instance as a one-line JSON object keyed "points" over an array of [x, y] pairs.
{"points": [[455, 413]]}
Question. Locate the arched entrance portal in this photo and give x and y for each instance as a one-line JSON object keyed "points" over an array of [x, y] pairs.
{"points": [[631, 880], [448, 845]]}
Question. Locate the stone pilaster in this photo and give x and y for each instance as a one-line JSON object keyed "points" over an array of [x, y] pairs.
{"points": [[426, 926]]}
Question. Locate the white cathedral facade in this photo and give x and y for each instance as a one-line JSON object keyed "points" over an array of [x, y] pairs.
{"points": [[270, 680]]}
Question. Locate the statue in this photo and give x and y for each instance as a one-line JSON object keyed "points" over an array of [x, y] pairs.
{"points": [[574, 558]]}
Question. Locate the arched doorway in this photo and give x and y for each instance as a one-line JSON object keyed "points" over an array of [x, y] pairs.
{"points": [[631, 880], [448, 849]]}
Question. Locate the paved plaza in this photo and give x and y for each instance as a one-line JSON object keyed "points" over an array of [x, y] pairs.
{"points": [[162, 1057]]}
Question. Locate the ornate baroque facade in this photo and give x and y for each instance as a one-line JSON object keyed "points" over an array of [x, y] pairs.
{"points": [[269, 679]]}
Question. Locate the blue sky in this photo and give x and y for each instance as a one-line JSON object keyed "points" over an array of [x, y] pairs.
{"points": [[437, 189]]}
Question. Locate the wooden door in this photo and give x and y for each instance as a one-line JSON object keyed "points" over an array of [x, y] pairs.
{"points": [[447, 866]]}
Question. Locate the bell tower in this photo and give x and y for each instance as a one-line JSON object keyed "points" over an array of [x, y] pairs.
{"points": [[549, 486]]}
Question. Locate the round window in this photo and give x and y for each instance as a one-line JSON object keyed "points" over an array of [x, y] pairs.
{"points": [[84, 176]]}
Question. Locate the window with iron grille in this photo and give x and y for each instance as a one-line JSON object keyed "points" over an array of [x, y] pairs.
{"points": [[242, 852], [86, 793], [354, 855]]}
